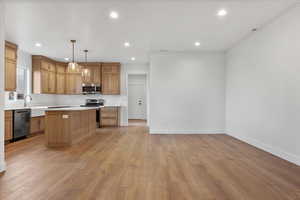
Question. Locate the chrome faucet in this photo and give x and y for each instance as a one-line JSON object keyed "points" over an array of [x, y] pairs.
{"points": [[25, 100]]}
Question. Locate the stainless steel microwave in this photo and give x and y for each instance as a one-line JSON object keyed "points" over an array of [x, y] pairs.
{"points": [[91, 89]]}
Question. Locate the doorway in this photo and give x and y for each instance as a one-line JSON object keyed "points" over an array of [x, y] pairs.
{"points": [[137, 99]]}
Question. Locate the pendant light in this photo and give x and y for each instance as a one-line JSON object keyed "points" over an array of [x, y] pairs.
{"points": [[73, 65], [85, 71]]}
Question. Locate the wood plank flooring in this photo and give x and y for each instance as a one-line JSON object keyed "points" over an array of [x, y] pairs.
{"points": [[128, 163]]}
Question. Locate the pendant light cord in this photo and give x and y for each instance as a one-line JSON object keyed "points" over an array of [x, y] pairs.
{"points": [[73, 47], [86, 52], [86, 58], [73, 53]]}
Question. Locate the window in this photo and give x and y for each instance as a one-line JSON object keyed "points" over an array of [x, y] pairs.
{"points": [[23, 77]]}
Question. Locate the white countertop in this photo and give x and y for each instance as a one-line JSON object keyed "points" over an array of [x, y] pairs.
{"points": [[75, 108], [30, 107], [47, 107], [38, 111]]}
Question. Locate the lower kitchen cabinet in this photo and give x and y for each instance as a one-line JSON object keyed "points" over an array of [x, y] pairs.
{"points": [[37, 125], [109, 116], [8, 125]]}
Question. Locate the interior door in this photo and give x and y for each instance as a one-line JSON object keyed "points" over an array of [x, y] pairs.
{"points": [[137, 101]]}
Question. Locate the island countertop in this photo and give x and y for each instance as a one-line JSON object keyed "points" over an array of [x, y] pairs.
{"points": [[73, 108]]}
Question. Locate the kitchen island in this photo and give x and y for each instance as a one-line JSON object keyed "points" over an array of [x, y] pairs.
{"points": [[68, 126]]}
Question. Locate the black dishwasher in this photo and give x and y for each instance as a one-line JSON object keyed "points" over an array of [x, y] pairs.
{"points": [[21, 121]]}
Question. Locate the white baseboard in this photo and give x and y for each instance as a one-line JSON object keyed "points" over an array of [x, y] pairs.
{"points": [[186, 131], [270, 149], [124, 124], [2, 166]]}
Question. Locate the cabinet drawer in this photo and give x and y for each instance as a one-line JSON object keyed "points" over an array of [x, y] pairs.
{"points": [[109, 112], [109, 122], [8, 114]]}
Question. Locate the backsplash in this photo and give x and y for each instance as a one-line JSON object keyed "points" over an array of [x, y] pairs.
{"points": [[80, 99], [37, 100], [48, 99]]}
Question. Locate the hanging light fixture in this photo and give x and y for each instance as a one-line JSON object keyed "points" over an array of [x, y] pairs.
{"points": [[73, 65], [86, 64]]}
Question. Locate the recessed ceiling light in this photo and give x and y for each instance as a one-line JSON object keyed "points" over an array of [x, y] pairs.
{"points": [[127, 44], [114, 15], [197, 44], [222, 12], [133, 58], [66, 59], [38, 44]]}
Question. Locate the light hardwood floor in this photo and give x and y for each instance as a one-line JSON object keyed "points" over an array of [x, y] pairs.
{"points": [[128, 163]]}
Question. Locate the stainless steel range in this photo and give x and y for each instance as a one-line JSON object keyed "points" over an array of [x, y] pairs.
{"points": [[95, 103]]}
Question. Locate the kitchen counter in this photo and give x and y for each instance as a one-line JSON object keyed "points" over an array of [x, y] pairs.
{"points": [[74, 107], [30, 107]]}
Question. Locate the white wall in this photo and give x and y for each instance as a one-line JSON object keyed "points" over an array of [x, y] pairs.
{"points": [[187, 93], [2, 163], [263, 88]]}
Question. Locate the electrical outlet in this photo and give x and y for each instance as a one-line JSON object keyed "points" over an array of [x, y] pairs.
{"points": [[65, 116]]}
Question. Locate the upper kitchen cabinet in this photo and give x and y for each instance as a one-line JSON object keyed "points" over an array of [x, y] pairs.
{"points": [[73, 81], [91, 73], [10, 66], [110, 78], [43, 75], [60, 78]]}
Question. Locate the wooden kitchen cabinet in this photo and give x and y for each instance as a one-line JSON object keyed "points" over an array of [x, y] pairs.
{"points": [[109, 116], [110, 78], [74, 80], [43, 75], [37, 124], [91, 73], [60, 78], [10, 66], [8, 125], [52, 78], [73, 83]]}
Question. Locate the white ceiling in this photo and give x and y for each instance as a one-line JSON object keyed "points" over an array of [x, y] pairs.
{"points": [[148, 26]]}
